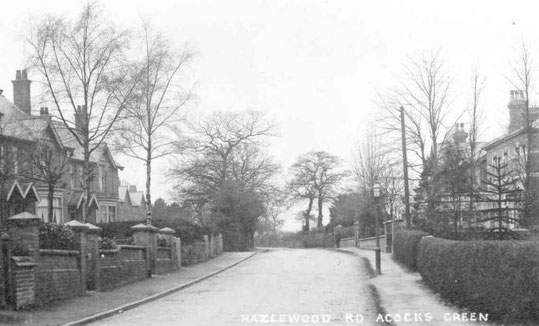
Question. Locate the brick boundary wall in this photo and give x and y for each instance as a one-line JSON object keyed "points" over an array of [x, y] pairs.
{"points": [[57, 275], [42, 276], [122, 266]]}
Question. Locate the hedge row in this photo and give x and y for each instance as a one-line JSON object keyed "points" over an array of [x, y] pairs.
{"points": [[405, 247], [317, 240], [500, 278]]}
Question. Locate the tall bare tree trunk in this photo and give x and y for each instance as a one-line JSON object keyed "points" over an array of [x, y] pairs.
{"points": [[148, 186], [86, 183], [50, 201], [308, 214], [320, 207]]}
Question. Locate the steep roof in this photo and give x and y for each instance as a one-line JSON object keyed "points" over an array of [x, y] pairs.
{"points": [[137, 198], [69, 140], [9, 110]]}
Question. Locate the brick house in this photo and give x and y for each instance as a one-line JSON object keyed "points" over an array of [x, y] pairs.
{"points": [[511, 147], [20, 131], [131, 204]]}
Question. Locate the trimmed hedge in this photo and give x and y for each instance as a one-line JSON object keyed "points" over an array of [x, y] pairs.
{"points": [[317, 240], [500, 278], [405, 247]]}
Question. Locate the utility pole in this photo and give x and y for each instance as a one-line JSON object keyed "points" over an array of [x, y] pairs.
{"points": [[405, 170]]}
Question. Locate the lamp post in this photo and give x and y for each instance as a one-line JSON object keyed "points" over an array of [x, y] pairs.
{"points": [[376, 193]]}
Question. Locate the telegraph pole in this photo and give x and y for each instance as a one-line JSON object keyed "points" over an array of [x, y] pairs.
{"points": [[405, 170]]}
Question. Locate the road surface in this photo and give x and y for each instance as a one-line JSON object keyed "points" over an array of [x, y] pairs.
{"points": [[279, 287]]}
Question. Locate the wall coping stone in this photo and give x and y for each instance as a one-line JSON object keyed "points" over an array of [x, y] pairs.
{"points": [[131, 247], [77, 226], [164, 248], [167, 230], [144, 227], [372, 238], [24, 218], [393, 221], [24, 261], [120, 247], [93, 228], [57, 252]]}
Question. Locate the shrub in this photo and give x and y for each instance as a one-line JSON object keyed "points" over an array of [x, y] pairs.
{"points": [[117, 230], [188, 231], [500, 278], [107, 243], [405, 247], [317, 240], [56, 236]]}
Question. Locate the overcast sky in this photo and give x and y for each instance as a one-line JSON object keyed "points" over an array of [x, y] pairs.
{"points": [[314, 66]]}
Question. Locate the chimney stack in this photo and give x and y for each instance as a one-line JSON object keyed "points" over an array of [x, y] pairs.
{"points": [[44, 111], [132, 188], [80, 117], [460, 135], [21, 92], [516, 106]]}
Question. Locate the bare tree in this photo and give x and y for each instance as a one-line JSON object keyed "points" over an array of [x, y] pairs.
{"points": [[301, 187], [524, 80], [153, 113], [476, 118], [85, 75], [50, 167], [225, 171], [424, 93], [316, 173], [214, 140], [373, 163]]}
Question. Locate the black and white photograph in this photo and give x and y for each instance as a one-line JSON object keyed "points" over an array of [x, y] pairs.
{"points": [[269, 162]]}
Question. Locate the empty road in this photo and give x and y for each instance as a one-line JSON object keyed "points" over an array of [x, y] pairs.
{"points": [[279, 287]]}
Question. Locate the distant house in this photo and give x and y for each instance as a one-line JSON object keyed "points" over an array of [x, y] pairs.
{"points": [[20, 190], [511, 147], [131, 204]]}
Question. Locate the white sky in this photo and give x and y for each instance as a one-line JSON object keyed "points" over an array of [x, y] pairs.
{"points": [[313, 65]]}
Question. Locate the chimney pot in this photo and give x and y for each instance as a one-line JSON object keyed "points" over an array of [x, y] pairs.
{"points": [[23, 74], [18, 75], [1, 91]]}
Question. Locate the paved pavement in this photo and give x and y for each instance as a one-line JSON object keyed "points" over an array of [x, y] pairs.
{"points": [[404, 296], [65, 312], [276, 287]]}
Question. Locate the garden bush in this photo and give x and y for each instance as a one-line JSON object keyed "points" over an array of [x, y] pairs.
{"points": [[500, 278], [188, 231], [405, 247], [56, 236], [107, 243], [117, 230]]}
